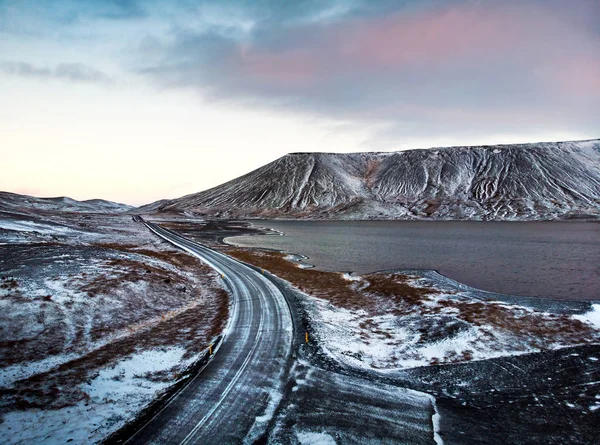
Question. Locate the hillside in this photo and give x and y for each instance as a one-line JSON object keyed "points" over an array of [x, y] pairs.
{"points": [[12, 202], [501, 182]]}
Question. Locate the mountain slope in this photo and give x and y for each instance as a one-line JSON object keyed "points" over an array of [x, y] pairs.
{"points": [[12, 202], [525, 181]]}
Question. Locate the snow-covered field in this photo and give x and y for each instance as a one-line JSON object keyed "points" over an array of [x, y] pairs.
{"points": [[439, 333], [392, 321], [116, 393], [98, 317]]}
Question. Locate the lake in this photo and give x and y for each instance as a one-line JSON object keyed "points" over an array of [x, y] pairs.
{"points": [[543, 259]]}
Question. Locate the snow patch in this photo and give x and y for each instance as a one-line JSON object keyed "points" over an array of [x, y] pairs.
{"points": [[592, 317], [116, 394], [435, 420], [30, 226], [311, 438], [349, 277]]}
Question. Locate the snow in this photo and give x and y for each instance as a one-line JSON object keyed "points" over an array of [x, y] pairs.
{"points": [[349, 277], [116, 394], [432, 333], [456, 344], [261, 422], [124, 378], [30, 226], [311, 438], [74, 297], [435, 420], [70, 304], [11, 374], [592, 317]]}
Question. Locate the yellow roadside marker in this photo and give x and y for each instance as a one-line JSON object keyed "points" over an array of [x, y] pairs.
{"points": [[307, 337], [210, 349], [222, 275]]}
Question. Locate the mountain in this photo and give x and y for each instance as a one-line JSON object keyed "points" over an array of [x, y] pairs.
{"points": [[500, 182], [15, 203]]}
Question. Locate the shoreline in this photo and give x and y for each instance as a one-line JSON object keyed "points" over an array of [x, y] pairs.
{"points": [[261, 228], [438, 279]]}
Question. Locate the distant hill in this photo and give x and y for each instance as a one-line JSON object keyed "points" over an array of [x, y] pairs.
{"points": [[499, 182], [12, 202]]}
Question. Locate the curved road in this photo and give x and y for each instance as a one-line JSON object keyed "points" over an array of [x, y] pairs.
{"points": [[232, 399]]}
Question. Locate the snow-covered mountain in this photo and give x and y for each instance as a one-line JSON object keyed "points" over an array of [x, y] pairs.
{"points": [[12, 202], [501, 182]]}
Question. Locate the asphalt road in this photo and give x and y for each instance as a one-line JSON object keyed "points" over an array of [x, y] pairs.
{"points": [[232, 399]]}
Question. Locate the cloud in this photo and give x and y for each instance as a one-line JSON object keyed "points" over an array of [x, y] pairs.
{"points": [[74, 72], [462, 64], [410, 66]]}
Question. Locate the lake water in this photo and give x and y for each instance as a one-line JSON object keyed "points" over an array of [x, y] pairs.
{"points": [[544, 259]]}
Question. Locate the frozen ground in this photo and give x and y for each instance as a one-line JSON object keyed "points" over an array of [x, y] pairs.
{"points": [[500, 370], [534, 379], [387, 322], [540, 398], [113, 395], [441, 329], [97, 318]]}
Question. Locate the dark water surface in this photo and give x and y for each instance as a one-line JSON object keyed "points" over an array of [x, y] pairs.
{"points": [[545, 259]]}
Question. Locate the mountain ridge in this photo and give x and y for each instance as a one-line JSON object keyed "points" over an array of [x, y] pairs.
{"points": [[549, 180], [15, 202]]}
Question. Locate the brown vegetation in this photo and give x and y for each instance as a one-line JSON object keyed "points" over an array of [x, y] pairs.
{"points": [[194, 328], [375, 294], [8, 283], [331, 286], [381, 294], [176, 257], [169, 310]]}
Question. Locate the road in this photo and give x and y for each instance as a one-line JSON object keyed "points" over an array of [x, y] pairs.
{"points": [[232, 399]]}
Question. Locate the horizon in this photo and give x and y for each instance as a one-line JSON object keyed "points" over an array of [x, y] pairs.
{"points": [[133, 102], [297, 153]]}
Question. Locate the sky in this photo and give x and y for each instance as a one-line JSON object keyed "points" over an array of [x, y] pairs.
{"points": [[135, 101]]}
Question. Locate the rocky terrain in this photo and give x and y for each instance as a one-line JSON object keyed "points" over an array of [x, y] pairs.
{"points": [[501, 182]]}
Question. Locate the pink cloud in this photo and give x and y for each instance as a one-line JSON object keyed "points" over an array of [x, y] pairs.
{"points": [[579, 77], [295, 67], [517, 34], [423, 39]]}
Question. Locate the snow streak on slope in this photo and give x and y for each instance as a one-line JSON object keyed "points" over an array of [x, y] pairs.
{"points": [[527, 181]]}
